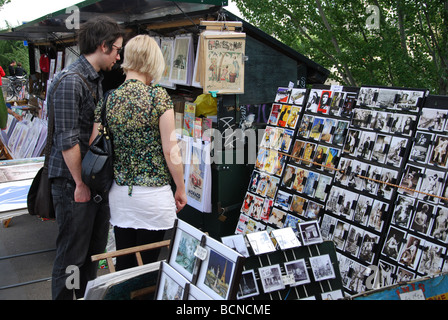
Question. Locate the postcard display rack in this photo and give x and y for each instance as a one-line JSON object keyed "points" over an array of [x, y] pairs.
{"points": [[198, 267], [364, 162]]}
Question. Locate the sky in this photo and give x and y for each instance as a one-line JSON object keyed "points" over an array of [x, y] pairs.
{"points": [[18, 11]]}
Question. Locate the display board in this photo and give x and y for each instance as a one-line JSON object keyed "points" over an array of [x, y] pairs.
{"points": [[364, 162], [198, 267], [288, 266]]}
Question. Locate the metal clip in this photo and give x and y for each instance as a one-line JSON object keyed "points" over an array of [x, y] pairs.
{"points": [[97, 198]]}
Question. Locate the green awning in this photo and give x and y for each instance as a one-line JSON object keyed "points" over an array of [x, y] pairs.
{"points": [[123, 11]]}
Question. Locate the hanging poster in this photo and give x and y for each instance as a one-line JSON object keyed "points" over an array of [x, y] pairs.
{"points": [[223, 56]]}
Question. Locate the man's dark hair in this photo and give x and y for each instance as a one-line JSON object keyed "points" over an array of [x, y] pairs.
{"points": [[97, 31]]}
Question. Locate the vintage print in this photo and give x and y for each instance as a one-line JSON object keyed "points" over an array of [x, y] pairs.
{"points": [[322, 267], [410, 254], [439, 154], [297, 96], [310, 232], [260, 242], [432, 119], [271, 278], [248, 286], [298, 270], [439, 228], [393, 242], [422, 146], [286, 238], [224, 64]]}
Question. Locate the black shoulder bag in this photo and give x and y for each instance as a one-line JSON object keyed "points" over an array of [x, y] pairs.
{"points": [[97, 164], [39, 198]]}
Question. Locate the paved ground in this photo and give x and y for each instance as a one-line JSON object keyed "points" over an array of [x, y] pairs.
{"points": [[27, 234]]}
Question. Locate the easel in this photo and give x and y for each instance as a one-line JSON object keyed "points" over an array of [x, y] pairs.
{"points": [[133, 250]]}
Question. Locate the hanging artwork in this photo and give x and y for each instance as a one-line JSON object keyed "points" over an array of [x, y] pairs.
{"points": [[182, 63], [223, 62], [167, 47]]}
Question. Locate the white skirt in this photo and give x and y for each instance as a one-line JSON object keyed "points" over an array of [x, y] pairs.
{"points": [[151, 208]]}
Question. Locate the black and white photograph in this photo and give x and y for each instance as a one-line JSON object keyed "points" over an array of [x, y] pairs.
{"points": [[348, 104], [365, 146], [378, 215], [332, 295], [248, 286], [310, 232], [327, 226], [388, 177], [431, 186], [409, 100], [322, 267], [313, 100], [393, 243], [380, 121], [385, 274], [271, 278], [362, 118], [403, 210], [386, 98], [352, 141], [422, 147], [411, 180], [432, 119], [439, 229], [380, 148], [422, 217], [340, 233], [298, 270], [403, 124], [367, 250], [431, 259], [367, 95], [362, 209], [439, 154], [396, 151], [410, 253], [354, 241], [322, 186]]}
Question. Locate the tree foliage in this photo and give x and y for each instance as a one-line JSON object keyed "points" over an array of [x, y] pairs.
{"points": [[376, 42], [13, 50]]}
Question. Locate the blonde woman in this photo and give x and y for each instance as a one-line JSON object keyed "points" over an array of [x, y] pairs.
{"points": [[141, 120]]}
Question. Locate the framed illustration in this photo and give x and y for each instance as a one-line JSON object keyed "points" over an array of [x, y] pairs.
{"points": [[167, 47], [248, 286], [182, 64], [322, 267], [182, 257], [223, 61], [194, 293], [171, 284], [298, 270], [220, 271]]}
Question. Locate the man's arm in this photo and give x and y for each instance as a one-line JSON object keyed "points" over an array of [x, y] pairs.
{"points": [[72, 158]]}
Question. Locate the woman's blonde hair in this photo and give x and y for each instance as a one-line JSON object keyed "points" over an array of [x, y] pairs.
{"points": [[142, 54]]}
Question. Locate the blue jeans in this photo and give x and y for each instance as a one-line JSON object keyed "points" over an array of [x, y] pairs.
{"points": [[83, 231]]}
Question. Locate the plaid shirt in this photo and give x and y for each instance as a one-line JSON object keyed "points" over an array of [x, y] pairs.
{"points": [[74, 107]]}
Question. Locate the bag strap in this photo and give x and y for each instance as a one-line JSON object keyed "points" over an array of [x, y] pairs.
{"points": [[50, 130], [103, 109]]}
